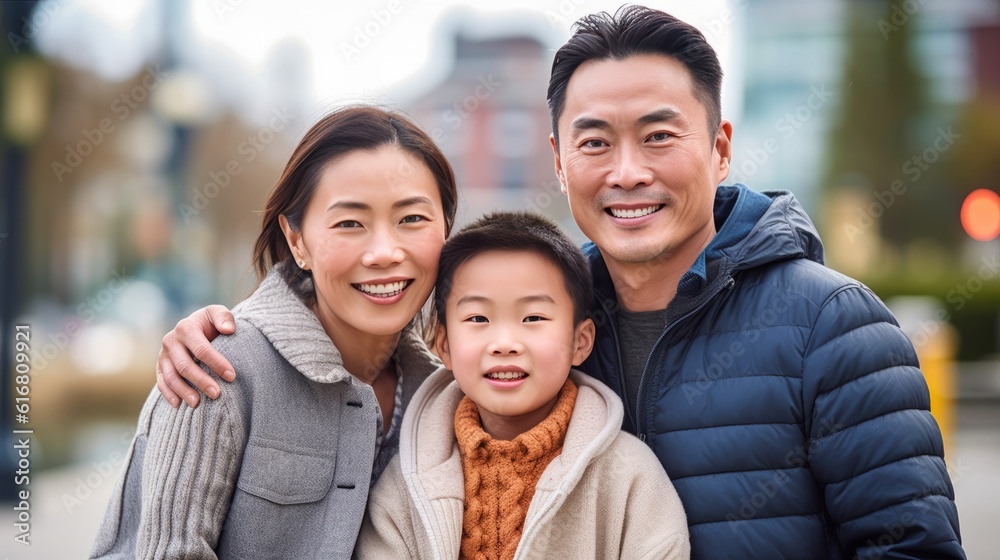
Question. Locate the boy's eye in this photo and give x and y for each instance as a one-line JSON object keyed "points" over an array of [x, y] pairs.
{"points": [[478, 319], [348, 224], [533, 318], [413, 218]]}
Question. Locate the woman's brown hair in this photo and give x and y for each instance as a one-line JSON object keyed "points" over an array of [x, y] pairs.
{"points": [[337, 134]]}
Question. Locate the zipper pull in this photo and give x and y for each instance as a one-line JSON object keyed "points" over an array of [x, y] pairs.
{"points": [[642, 437]]}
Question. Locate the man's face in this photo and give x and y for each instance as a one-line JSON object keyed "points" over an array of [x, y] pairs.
{"points": [[638, 161]]}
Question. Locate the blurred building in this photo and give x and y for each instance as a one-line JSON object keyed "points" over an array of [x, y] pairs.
{"points": [[491, 120]]}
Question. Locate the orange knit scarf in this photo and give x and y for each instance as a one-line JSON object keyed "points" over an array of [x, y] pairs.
{"points": [[500, 476]]}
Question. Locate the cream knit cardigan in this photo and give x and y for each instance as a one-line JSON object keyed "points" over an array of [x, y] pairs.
{"points": [[605, 496]]}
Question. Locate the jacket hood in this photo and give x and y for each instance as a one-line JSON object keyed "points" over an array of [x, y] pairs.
{"points": [[783, 232]]}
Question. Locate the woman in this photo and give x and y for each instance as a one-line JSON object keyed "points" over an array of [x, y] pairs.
{"points": [[281, 464]]}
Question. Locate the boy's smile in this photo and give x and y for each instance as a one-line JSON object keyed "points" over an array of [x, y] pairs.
{"points": [[510, 338]]}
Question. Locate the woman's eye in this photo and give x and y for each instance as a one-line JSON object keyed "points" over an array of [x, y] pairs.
{"points": [[348, 224], [413, 218], [478, 319], [533, 318]]}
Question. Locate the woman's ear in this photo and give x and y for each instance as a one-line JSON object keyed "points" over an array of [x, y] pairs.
{"points": [[441, 346], [583, 340], [295, 244]]}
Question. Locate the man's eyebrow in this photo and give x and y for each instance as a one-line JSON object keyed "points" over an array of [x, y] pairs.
{"points": [[413, 200], [660, 115], [586, 123]]}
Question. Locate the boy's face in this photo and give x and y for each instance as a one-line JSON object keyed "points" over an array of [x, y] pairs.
{"points": [[511, 338]]}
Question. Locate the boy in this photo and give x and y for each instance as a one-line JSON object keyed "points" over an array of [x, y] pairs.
{"points": [[507, 453]]}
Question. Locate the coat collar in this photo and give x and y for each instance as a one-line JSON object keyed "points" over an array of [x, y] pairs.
{"points": [[296, 333], [428, 447], [431, 465]]}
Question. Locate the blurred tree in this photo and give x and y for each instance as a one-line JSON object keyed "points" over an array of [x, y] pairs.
{"points": [[878, 141], [974, 163]]}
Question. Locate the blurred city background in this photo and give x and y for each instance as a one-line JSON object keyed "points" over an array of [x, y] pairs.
{"points": [[139, 139]]}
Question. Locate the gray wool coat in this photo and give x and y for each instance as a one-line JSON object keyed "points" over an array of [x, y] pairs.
{"points": [[278, 467]]}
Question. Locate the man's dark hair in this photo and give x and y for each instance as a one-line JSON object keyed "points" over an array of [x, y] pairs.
{"points": [[516, 231], [635, 30]]}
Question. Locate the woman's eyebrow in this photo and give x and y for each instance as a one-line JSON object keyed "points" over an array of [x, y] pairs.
{"points": [[349, 205], [356, 205]]}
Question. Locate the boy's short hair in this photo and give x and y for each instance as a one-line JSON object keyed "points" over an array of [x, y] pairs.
{"points": [[516, 231]]}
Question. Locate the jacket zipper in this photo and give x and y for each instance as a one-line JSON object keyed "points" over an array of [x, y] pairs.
{"points": [[640, 427]]}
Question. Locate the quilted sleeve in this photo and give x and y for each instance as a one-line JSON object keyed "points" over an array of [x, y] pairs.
{"points": [[874, 447]]}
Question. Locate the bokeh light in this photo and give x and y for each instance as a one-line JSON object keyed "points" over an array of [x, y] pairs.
{"points": [[981, 215]]}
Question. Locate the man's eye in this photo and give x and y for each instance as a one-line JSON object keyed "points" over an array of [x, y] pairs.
{"points": [[413, 218], [533, 318], [478, 319], [348, 224], [659, 136], [593, 144]]}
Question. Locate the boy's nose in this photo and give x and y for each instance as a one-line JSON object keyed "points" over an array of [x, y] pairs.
{"points": [[504, 344]]}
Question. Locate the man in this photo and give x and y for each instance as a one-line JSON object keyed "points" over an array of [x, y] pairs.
{"points": [[780, 396]]}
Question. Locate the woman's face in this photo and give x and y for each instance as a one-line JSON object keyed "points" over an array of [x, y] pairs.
{"points": [[372, 237]]}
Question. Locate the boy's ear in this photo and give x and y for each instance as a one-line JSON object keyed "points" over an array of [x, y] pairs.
{"points": [[441, 346], [583, 340]]}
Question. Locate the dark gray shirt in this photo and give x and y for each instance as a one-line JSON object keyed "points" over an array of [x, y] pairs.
{"points": [[639, 331]]}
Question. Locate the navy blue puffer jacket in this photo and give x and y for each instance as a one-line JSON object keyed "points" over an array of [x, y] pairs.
{"points": [[787, 407]]}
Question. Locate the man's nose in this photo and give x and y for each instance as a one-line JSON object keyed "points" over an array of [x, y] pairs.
{"points": [[631, 169]]}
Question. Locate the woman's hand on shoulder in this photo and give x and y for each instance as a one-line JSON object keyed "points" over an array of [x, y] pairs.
{"points": [[188, 342]]}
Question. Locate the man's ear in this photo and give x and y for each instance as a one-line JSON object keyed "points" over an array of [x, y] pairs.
{"points": [[558, 162], [583, 340], [441, 346], [724, 150], [295, 244]]}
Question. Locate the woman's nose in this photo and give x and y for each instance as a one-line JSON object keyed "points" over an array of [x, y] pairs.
{"points": [[383, 251]]}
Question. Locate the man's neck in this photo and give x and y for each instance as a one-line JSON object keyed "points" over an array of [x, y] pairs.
{"points": [[652, 285]]}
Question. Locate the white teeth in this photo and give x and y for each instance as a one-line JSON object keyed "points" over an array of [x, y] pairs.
{"points": [[506, 375], [384, 290], [634, 213]]}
